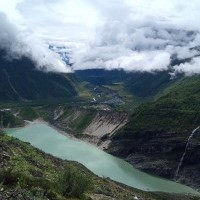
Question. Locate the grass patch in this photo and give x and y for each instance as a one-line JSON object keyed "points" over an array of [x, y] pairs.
{"points": [[28, 113]]}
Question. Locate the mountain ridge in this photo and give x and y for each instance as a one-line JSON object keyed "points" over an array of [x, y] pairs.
{"points": [[21, 81]]}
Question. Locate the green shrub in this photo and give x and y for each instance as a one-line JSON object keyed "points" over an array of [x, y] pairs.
{"points": [[28, 113], [7, 119], [73, 183], [8, 177]]}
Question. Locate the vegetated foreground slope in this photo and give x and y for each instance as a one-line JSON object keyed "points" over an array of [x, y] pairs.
{"points": [[27, 173], [21, 81], [155, 137]]}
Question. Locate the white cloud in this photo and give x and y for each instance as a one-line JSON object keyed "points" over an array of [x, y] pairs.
{"points": [[134, 35], [189, 68], [18, 41]]}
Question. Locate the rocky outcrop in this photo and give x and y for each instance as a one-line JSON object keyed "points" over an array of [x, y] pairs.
{"points": [[104, 125], [96, 127]]}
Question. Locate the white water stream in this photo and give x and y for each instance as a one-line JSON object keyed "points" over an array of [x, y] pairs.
{"points": [[184, 154]]}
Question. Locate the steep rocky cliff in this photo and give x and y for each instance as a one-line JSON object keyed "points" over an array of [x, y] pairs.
{"points": [[159, 152], [95, 126]]}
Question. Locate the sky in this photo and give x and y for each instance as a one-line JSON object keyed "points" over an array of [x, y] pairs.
{"points": [[134, 35]]}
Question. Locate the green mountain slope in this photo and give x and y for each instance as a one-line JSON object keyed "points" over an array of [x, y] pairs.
{"points": [[21, 81], [178, 108]]}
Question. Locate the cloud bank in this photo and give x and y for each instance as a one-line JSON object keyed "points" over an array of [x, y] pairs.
{"points": [[134, 35], [18, 41], [146, 36]]}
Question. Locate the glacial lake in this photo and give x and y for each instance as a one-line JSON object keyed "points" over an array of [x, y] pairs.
{"points": [[51, 141]]}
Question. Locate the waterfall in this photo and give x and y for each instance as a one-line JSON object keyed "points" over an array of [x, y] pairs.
{"points": [[186, 147]]}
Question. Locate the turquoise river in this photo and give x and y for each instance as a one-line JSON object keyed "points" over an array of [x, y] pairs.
{"points": [[51, 141]]}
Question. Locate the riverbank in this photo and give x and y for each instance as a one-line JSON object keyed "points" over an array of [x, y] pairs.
{"points": [[93, 126], [61, 131]]}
